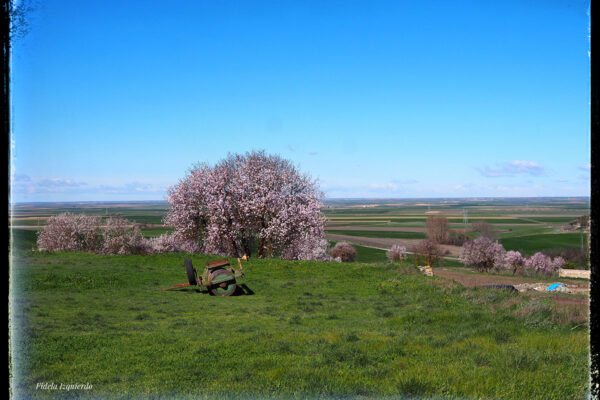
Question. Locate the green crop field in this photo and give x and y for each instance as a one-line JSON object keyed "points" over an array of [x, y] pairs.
{"points": [[369, 254], [563, 220], [302, 330], [22, 239], [380, 234], [533, 243]]}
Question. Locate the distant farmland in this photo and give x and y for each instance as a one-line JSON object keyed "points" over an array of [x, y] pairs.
{"points": [[527, 225]]}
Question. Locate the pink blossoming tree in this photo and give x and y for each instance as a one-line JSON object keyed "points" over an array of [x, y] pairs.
{"points": [[482, 253], [396, 253], [120, 237], [71, 232], [343, 251], [249, 200], [543, 264], [167, 243], [513, 260]]}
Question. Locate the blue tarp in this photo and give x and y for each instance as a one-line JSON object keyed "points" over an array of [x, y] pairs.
{"points": [[555, 286]]}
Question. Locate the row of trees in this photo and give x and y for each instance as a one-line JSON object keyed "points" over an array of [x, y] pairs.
{"points": [[438, 230], [115, 235], [244, 202], [484, 253], [487, 255]]}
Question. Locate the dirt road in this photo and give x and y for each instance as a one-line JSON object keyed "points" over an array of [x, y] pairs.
{"points": [[472, 280], [386, 243]]}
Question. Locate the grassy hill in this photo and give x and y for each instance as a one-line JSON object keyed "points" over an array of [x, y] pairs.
{"points": [[309, 330]]}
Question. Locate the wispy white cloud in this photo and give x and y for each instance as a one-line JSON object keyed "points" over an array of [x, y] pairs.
{"points": [[511, 168], [25, 184], [388, 186], [131, 188], [465, 187], [585, 167], [391, 188], [405, 181], [57, 183], [21, 178], [25, 187]]}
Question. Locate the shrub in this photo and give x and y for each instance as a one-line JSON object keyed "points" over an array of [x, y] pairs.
{"points": [[71, 232], [583, 221], [570, 265], [457, 238], [168, 243], [396, 253], [307, 247], [482, 253], [119, 237], [344, 251]]}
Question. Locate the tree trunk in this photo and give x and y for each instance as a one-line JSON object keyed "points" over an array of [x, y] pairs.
{"points": [[261, 248], [246, 246], [234, 248]]}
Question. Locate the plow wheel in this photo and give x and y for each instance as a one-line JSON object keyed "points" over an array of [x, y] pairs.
{"points": [[226, 288], [190, 271]]}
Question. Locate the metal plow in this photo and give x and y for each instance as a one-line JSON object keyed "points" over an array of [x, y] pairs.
{"points": [[218, 277]]}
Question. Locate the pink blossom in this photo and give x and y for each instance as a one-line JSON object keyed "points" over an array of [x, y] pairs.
{"points": [[249, 200], [344, 251], [71, 232], [482, 253], [513, 260], [541, 263], [396, 253], [119, 237]]}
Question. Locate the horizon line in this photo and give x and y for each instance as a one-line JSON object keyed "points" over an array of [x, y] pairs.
{"points": [[325, 199]]}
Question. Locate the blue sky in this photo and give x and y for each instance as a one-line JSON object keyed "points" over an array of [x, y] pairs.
{"points": [[115, 100]]}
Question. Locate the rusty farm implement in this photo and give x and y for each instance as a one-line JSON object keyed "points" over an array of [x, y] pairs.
{"points": [[219, 277]]}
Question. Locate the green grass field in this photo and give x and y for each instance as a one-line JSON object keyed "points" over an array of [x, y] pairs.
{"points": [[533, 243], [309, 330], [380, 234], [562, 220], [369, 254]]}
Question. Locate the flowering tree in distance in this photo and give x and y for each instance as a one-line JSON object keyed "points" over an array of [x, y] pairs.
{"points": [[343, 251], [396, 253], [543, 264], [483, 253], [513, 260], [249, 200]]}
